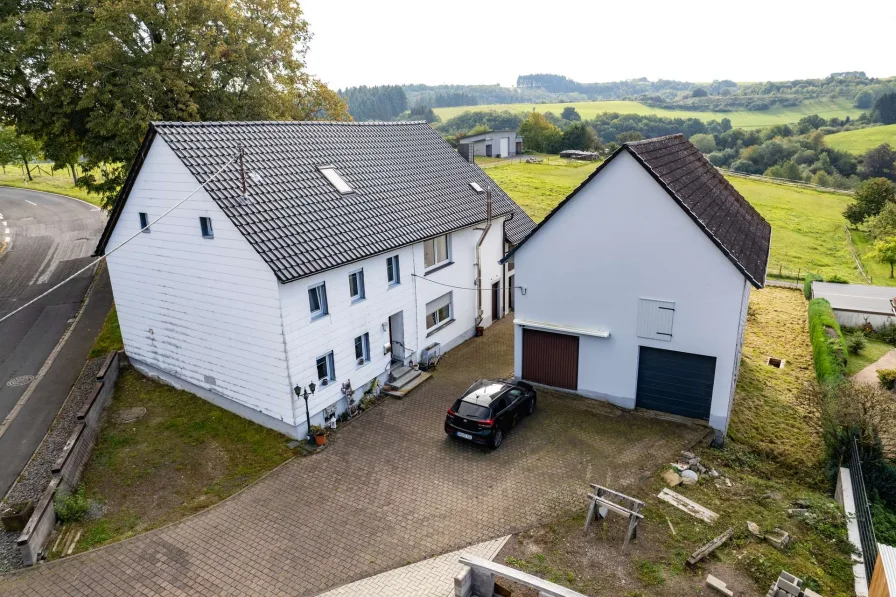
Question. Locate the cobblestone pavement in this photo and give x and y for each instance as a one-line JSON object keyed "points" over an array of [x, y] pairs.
{"points": [[390, 490], [430, 578]]}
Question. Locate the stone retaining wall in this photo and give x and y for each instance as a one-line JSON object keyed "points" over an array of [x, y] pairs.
{"points": [[71, 462]]}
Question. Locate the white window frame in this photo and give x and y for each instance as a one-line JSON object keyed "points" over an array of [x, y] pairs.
{"points": [[365, 349], [395, 264], [205, 227], [437, 262], [321, 290], [144, 221], [330, 365], [440, 320]]}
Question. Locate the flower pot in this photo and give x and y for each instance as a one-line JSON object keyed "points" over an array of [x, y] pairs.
{"points": [[320, 440], [15, 516]]}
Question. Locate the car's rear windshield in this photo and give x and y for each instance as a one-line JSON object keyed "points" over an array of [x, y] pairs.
{"points": [[471, 411]]}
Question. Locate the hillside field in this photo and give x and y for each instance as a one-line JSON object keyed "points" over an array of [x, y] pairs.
{"points": [[808, 230], [744, 119], [862, 140]]}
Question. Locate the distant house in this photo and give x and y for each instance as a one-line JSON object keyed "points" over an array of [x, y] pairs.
{"points": [[635, 288], [352, 253], [857, 305], [498, 144]]}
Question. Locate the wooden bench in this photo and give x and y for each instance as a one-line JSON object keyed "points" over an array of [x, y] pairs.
{"points": [[479, 580], [601, 505]]}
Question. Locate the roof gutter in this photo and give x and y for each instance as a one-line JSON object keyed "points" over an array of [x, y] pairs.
{"points": [[488, 225]]}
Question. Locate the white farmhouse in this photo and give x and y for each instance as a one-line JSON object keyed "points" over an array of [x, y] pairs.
{"points": [[635, 288], [354, 248]]}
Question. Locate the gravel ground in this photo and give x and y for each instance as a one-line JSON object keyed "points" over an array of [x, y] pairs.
{"points": [[38, 472]]}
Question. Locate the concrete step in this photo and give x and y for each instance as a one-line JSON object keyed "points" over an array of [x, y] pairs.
{"points": [[406, 389], [404, 378], [398, 373]]}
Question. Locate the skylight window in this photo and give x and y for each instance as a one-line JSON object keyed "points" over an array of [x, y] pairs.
{"points": [[476, 187], [334, 179]]}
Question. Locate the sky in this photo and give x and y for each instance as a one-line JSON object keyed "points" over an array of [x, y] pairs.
{"points": [[362, 42]]}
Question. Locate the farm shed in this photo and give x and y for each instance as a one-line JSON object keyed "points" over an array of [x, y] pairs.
{"points": [[635, 288], [857, 305], [498, 144]]}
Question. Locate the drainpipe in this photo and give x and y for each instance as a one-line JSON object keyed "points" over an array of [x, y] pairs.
{"points": [[488, 225]]}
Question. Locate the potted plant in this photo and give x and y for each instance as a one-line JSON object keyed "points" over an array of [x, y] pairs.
{"points": [[320, 435]]}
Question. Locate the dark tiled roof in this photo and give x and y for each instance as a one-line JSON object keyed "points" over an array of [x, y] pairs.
{"points": [[705, 195], [409, 185]]}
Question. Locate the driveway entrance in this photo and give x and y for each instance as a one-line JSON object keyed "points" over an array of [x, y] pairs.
{"points": [[391, 489]]}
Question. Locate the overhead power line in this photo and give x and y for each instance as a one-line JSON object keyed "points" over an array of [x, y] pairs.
{"points": [[124, 242], [521, 288]]}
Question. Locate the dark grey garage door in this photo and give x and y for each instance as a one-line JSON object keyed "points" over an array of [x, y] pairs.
{"points": [[679, 383]]}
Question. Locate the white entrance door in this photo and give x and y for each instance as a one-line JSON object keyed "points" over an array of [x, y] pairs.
{"points": [[505, 147]]}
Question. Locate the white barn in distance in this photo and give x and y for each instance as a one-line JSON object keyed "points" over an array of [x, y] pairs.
{"points": [[498, 144], [338, 264], [637, 284]]}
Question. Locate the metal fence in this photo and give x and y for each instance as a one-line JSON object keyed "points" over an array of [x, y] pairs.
{"points": [[863, 511], [779, 272]]}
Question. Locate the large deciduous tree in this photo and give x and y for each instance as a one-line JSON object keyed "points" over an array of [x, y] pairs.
{"points": [[871, 197], [85, 77], [539, 134], [884, 251], [879, 162], [18, 149], [885, 108]]}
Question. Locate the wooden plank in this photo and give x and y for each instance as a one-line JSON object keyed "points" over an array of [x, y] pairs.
{"points": [[710, 547], [686, 505], [614, 507], [546, 588], [617, 494]]}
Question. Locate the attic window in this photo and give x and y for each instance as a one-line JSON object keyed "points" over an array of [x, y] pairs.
{"points": [[475, 186], [334, 179]]}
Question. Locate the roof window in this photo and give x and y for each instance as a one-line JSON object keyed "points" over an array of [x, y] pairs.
{"points": [[335, 179]]}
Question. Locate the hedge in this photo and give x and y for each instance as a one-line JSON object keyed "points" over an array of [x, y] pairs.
{"points": [[828, 346], [807, 285]]}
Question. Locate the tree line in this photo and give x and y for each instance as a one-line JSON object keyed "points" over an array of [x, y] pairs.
{"points": [[380, 102], [84, 79]]}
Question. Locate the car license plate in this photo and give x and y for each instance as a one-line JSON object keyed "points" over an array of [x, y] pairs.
{"points": [[464, 435]]}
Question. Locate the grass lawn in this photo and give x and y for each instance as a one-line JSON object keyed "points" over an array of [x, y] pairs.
{"points": [[879, 272], [59, 182], [862, 140], [744, 119], [182, 456], [771, 459], [808, 231], [109, 338], [873, 351]]}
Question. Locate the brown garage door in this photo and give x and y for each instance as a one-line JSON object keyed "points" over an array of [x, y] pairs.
{"points": [[551, 359]]}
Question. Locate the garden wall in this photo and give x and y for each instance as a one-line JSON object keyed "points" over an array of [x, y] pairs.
{"points": [[71, 462]]}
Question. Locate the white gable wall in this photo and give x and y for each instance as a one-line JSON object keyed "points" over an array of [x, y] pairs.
{"points": [[191, 307], [620, 239]]}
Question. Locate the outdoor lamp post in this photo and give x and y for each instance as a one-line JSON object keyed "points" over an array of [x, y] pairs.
{"points": [[304, 394]]}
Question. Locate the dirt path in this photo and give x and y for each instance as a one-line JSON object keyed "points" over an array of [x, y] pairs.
{"points": [[869, 374]]}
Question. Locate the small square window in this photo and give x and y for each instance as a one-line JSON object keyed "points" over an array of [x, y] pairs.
{"points": [[317, 300], [356, 285], [326, 371], [393, 271], [362, 348], [206, 225], [144, 222]]}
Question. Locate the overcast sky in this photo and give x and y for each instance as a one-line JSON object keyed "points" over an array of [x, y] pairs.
{"points": [[365, 42]]}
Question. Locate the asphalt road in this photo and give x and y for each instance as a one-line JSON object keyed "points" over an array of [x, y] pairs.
{"points": [[47, 238]]}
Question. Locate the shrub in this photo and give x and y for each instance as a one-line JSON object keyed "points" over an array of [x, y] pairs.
{"points": [[71, 507], [856, 343], [887, 378], [835, 279], [807, 285], [828, 347], [886, 333]]}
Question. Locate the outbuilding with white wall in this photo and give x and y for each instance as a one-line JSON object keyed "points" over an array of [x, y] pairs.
{"points": [[635, 288]]}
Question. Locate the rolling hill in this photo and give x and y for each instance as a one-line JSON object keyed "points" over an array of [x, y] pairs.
{"points": [[860, 141]]}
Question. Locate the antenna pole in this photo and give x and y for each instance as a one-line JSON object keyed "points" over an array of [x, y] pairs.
{"points": [[243, 168]]}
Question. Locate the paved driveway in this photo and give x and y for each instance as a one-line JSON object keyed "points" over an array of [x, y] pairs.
{"points": [[390, 490]]}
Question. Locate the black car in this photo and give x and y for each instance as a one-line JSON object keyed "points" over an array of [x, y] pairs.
{"points": [[488, 410]]}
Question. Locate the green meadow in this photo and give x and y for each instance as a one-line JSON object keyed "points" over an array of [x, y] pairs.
{"points": [[861, 140]]}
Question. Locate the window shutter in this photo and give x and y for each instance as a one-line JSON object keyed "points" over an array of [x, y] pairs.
{"points": [[655, 319], [438, 303]]}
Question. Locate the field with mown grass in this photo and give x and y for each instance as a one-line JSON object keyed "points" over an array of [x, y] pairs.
{"points": [[808, 228], [861, 140], [879, 272], [744, 119], [47, 180]]}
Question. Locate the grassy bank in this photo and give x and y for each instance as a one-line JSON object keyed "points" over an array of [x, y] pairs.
{"points": [[45, 180], [860, 141], [827, 108], [109, 338]]}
